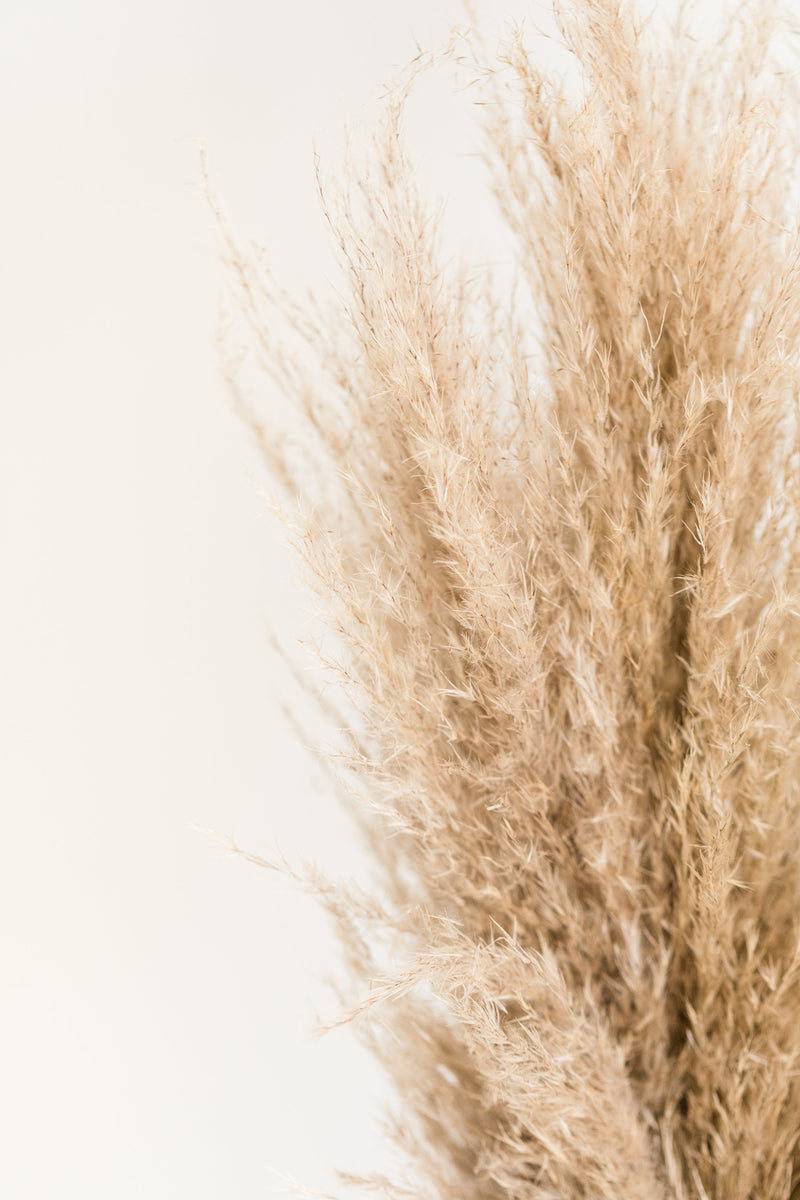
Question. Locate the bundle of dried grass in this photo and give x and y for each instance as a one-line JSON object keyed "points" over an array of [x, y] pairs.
{"points": [[569, 622]]}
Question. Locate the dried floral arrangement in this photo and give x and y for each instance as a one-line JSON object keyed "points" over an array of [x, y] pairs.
{"points": [[557, 538]]}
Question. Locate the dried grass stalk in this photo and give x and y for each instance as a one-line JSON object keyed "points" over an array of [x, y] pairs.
{"points": [[568, 614]]}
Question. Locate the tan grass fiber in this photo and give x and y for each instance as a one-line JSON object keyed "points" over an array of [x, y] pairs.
{"points": [[557, 538]]}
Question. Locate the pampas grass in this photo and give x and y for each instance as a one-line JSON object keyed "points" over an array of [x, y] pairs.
{"points": [[555, 530]]}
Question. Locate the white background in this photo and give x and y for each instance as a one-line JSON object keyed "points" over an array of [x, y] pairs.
{"points": [[157, 995]]}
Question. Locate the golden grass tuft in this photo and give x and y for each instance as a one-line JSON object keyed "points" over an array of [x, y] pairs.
{"points": [[561, 558]]}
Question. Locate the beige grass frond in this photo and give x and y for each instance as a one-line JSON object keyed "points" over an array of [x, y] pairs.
{"points": [[556, 534]]}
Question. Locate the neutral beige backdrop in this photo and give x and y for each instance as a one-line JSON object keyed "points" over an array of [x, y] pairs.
{"points": [[157, 994]]}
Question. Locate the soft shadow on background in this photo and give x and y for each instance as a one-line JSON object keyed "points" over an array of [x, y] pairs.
{"points": [[157, 994]]}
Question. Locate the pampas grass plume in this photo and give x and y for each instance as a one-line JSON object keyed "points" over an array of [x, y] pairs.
{"points": [[555, 530]]}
